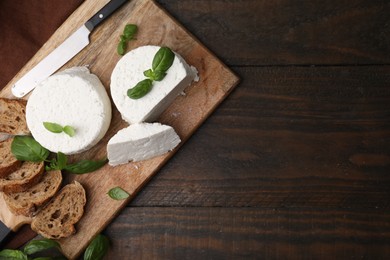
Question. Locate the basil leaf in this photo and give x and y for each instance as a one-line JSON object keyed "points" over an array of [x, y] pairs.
{"points": [[129, 31], [149, 73], [62, 160], [53, 165], [141, 89], [85, 166], [97, 248], [121, 49], [159, 75], [69, 130], [25, 148], [163, 59], [8, 254], [39, 245], [118, 193], [53, 127]]}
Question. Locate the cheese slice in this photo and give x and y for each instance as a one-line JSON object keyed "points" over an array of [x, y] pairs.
{"points": [[73, 97], [129, 71], [141, 141]]}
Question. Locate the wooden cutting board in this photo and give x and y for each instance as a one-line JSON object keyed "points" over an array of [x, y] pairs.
{"points": [[185, 115]]}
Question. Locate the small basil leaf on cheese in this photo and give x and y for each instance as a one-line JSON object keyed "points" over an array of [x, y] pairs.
{"points": [[53, 127], [25, 148], [141, 89], [159, 75], [85, 166], [69, 130], [149, 73], [118, 193], [163, 59]]}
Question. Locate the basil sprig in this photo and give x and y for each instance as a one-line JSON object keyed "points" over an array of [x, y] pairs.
{"points": [[97, 248], [162, 61], [25, 148], [118, 193], [35, 246], [32, 247], [128, 34], [57, 128]]}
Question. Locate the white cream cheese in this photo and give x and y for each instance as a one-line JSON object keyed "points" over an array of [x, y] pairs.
{"points": [[73, 97], [141, 141], [129, 71]]}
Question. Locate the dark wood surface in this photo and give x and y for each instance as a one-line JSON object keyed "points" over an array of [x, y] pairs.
{"points": [[295, 163]]}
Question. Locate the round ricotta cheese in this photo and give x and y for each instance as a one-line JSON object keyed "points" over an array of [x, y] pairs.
{"points": [[130, 70], [73, 97]]}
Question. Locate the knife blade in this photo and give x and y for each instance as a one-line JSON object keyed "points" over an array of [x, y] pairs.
{"points": [[64, 52]]}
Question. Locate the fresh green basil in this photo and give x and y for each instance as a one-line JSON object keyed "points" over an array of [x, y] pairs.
{"points": [[25, 148], [35, 246], [85, 166], [141, 89], [118, 193], [53, 127], [69, 130], [9, 254], [129, 31], [163, 59], [128, 34], [57, 128], [97, 248]]}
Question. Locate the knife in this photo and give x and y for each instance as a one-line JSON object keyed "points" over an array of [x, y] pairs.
{"points": [[64, 52], [9, 222]]}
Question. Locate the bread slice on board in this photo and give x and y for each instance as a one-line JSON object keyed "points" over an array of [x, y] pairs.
{"points": [[56, 219], [28, 202], [8, 162], [23, 178], [13, 116]]}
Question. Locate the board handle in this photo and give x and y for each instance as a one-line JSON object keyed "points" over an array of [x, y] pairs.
{"points": [[104, 13]]}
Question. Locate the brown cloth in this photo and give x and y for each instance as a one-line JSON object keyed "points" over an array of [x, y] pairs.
{"points": [[24, 27]]}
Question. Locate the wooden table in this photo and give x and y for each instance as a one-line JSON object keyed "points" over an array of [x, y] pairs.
{"points": [[295, 163]]}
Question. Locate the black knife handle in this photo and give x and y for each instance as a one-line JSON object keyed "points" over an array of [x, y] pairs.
{"points": [[4, 232], [104, 13]]}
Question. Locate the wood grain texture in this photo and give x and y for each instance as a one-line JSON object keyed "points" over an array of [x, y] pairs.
{"points": [[294, 164], [248, 233], [185, 115], [287, 137], [260, 32]]}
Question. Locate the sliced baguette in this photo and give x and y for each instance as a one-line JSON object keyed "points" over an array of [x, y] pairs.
{"points": [[27, 202], [13, 116], [23, 178], [56, 219], [8, 162]]}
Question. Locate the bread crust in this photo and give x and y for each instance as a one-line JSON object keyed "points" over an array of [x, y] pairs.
{"points": [[26, 176], [28, 202], [8, 163], [13, 116], [57, 219]]}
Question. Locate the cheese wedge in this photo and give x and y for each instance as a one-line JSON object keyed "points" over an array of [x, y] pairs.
{"points": [[141, 141], [129, 71], [73, 97]]}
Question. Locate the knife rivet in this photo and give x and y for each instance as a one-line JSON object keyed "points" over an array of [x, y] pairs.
{"points": [[100, 16]]}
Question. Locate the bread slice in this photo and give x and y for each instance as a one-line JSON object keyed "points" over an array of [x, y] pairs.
{"points": [[56, 220], [27, 202], [23, 178], [8, 162], [13, 116]]}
